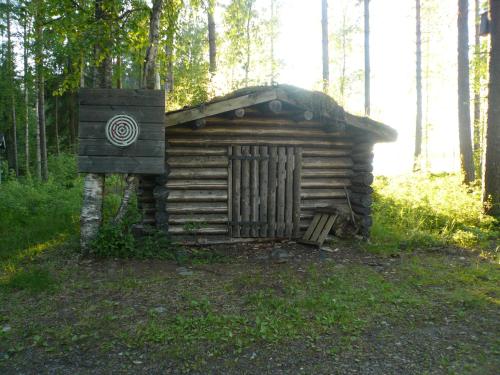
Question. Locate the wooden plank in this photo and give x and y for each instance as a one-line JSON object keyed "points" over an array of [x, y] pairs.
{"points": [[245, 192], [323, 162], [229, 182], [325, 183], [263, 120], [289, 192], [196, 151], [326, 229], [254, 190], [197, 184], [273, 185], [281, 198], [211, 109], [297, 182], [211, 229], [322, 193], [236, 191], [320, 227], [180, 219], [197, 173], [309, 204], [97, 130], [312, 227], [121, 164], [325, 152], [263, 189], [197, 196], [143, 115], [197, 161], [196, 207], [313, 173], [101, 147], [127, 97], [261, 140]]}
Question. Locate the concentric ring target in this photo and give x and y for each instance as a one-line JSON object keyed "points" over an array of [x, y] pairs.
{"points": [[122, 130]]}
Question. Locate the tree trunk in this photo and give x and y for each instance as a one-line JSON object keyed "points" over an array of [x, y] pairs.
{"points": [[26, 98], [10, 62], [38, 148], [248, 42], [418, 126], [58, 151], [149, 75], [212, 46], [464, 126], [273, 15], [477, 86], [326, 59], [491, 178], [367, 57], [41, 92], [118, 72], [149, 82], [169, 81]]}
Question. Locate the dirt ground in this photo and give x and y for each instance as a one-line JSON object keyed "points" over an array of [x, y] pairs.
{"points": [[262, 308]]}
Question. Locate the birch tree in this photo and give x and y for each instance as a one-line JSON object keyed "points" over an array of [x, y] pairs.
{"points": [[418, 126], [324, 43]]}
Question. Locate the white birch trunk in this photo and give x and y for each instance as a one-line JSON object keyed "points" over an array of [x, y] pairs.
{"points": [[91, 215]]}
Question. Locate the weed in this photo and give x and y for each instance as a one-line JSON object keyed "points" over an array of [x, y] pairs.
{"points": [[34, 280]]}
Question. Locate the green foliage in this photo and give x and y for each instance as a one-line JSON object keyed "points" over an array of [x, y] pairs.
{"points": [[429, 210]]}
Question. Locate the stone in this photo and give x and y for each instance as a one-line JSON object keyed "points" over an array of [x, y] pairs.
{"points": [[6, 328], [183, 271]]}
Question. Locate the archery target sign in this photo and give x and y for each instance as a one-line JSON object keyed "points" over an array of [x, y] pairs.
{"points": [[122, 130]]}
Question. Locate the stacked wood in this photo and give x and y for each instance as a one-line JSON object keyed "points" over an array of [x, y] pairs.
{"points": [[360, 189]]}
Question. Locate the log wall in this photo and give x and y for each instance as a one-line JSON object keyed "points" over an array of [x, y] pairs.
{"points": [[195, 191]]}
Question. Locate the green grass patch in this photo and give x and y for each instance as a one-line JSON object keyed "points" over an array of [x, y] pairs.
{"points": [[34, 280], [430, 210]]}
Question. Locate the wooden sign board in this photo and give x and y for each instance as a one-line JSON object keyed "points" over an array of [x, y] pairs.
{"points": [[121, 131]]}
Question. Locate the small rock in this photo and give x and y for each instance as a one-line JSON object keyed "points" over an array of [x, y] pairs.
{"points": [[159, 309], [183, 271], [253, 356], [398, 343], [6, 328], [280, 255], [137, 362], [449, 348]]}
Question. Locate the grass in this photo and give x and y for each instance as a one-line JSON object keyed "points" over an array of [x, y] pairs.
{"points": [[430, 210]]}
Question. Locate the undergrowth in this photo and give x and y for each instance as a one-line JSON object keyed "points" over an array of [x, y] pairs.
{"points": [[430, 210]]}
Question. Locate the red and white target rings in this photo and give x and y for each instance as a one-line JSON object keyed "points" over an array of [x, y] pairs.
{"points": [[122, 130]]}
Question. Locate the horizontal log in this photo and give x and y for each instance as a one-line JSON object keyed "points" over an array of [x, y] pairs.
{"points": [[142, 115], [327, 152], [361, 189], [362, 147], [97, 130], [324, 183], [317, 173], [362, 179], [363, 200], [311, 204], [184, 229], [322, 162], [181, 219], [196, 207], [197, 173], [120, 164], [102, 147], [361, 210], [238, 131], [365, 167], [363, 157], [322, 193], [197, 184], [197, 196], [197, 161], [123, 97], [262, 121], [196, 151], [261, 140]]}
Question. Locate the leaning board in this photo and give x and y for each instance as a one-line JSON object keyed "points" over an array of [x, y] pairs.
{"points": [[121, 131]]}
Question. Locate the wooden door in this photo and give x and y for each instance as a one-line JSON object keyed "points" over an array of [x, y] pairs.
{"points": [[264, 191]]}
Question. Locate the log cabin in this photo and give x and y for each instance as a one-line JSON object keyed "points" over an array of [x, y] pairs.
{"points": [[258, 163]]}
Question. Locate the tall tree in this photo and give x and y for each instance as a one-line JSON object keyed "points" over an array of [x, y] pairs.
{"points": [[464, 126], [26, 92], [324, 41], [212, 38], [491, 178], [418, 127], [12, 75], [477, 84], [367, 57], [40, 83]]}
